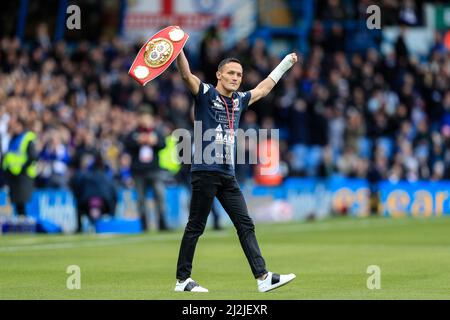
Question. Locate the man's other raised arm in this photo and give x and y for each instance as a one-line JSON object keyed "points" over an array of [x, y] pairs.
{"points": [[191, 81], [265, 86]]}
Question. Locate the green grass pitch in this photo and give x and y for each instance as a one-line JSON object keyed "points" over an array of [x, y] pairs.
{"points": [[329, 257]]}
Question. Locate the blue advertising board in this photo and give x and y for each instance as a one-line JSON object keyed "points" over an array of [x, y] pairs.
{"points": [[295, 199], [418, 199], [349, 196]]}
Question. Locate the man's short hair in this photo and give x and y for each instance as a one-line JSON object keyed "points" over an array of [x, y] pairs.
{"points": [[227, 60]]}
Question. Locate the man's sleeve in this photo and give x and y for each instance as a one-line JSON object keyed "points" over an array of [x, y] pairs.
{"points": [[203, 90], [246, 96]]}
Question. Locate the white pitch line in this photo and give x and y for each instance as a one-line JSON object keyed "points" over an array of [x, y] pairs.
{"points": [[286, 228], [96, 243], [326, 226]]}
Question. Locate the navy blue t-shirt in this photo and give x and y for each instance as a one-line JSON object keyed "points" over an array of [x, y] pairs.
{"points": [[218, 146]]}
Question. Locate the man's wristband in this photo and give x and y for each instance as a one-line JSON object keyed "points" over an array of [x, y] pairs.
{"points": [[284, 66]]}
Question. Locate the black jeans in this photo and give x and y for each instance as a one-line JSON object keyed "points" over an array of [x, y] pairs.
{"points": [[205, 186]]}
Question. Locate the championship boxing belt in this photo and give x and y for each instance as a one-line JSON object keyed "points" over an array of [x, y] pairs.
{"points": [[157, 54]]}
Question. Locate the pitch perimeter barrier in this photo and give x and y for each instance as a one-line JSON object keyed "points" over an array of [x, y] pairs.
{"points": [[295, 199]]}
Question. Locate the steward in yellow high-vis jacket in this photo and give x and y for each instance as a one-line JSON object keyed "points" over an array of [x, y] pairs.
{"points": [[19, 164]]}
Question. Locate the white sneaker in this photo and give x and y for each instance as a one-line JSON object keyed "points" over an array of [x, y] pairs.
{"points": [[273, 281], [189, 285]]}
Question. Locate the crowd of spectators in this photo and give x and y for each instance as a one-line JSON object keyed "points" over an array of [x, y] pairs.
{"points": [[357, 114], [395, 12]]}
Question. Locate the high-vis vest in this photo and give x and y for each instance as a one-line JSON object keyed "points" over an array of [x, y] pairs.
{"points": [[16, 156], [168, 156]]}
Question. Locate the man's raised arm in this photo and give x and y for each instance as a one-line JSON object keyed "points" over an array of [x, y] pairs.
{"points": [[191, 81], [265, 86]]}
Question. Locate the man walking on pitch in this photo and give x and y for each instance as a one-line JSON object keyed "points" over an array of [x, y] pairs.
{"points": [[219, 108]]}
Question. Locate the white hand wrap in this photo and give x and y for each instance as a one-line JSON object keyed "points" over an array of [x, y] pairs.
{"points": [[284, 66]]}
